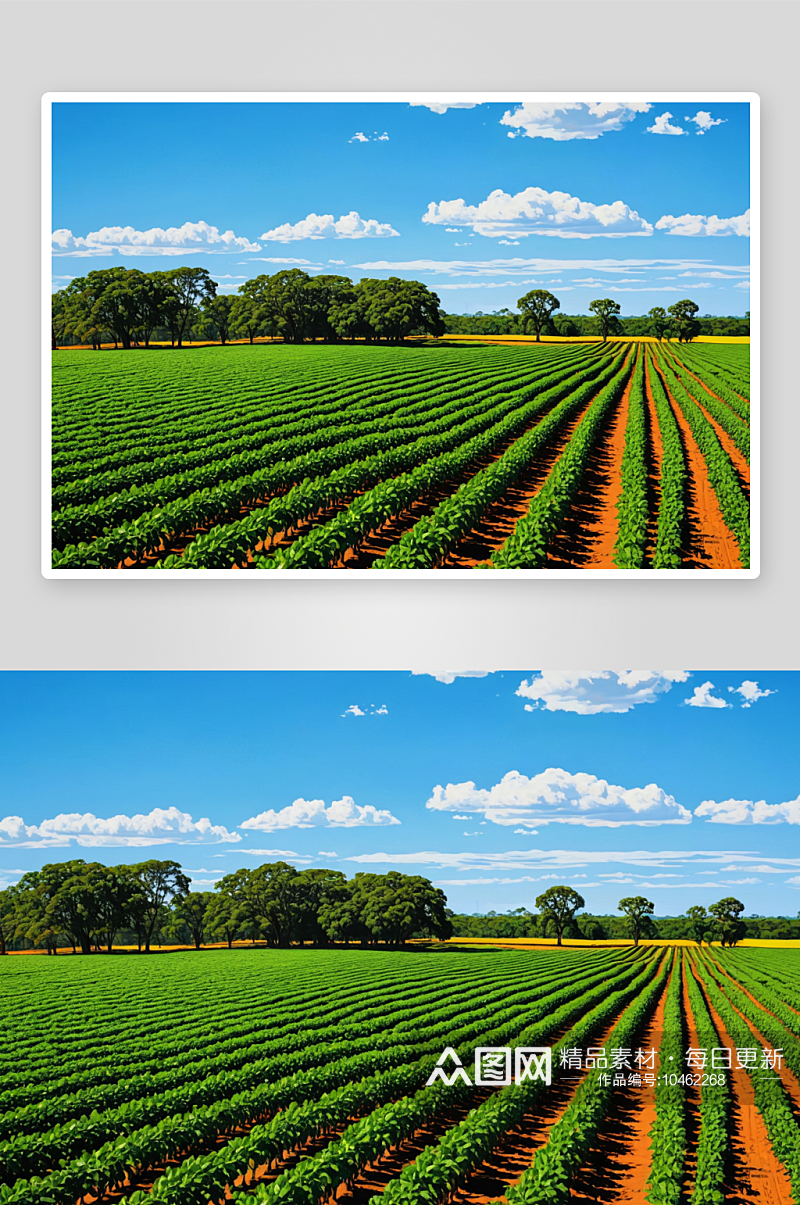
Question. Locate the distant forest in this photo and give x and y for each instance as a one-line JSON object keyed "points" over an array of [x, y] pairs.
{"points": [[522, 923], [506, 322]]}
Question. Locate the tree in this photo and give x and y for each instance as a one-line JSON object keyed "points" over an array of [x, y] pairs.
{"points": [[726, 913], [638, 911], [606, 311], [219, 310], [558, 906], [152, 292], [312, 889], [158, 882], [699, 922], [394, 907], [189, 287], [395, 308], [659, 322], [191, 910], [684, 321], [222, 919], [9, 917], [115, 890], [537, 308]]}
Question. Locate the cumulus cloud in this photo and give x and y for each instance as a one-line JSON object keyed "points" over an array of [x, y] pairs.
{"points": [[536, 211], [190, 238], [449, 675], [161, 826], [313, 813], [558, 797], [703, 697], [662, 125], [693, 224], [750, 692], [359, 137], [354, 709], [362, 137], [748, 811], [565, 120], [438, 106], [704, 121], [317, 226], [591, 692]]}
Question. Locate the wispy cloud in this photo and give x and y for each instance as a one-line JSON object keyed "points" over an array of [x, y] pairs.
{"points": [[449, 676], [517, 266], [595, 692], [438, 106], [567, 120], [355, 710]]}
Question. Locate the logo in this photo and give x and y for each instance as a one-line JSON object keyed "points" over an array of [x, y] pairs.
{"points": [[493, 1066]]}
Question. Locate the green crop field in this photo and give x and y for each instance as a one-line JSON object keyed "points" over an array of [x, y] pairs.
{"points": [[294, 1076], [557, 455]]}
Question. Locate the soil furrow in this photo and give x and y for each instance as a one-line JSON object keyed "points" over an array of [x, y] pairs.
{"points": [[710, 544]]}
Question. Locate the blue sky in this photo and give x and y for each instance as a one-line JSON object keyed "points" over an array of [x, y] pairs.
{"points": [[680, 786], [644, 203]]}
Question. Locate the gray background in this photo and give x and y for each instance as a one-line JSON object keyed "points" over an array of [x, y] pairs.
{"points": [[387, 45]]}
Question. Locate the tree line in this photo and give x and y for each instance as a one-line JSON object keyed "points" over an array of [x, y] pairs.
{"points": [[659, 322], [130, 308], [560, 915], [90, 907]]}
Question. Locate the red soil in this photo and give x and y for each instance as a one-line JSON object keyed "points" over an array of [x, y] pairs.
{"points": [[693, 1118], [619, 1161], [710, 544], [589, 530], [706, 386], [757, 1175]]}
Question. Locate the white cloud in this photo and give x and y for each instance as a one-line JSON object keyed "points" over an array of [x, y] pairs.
{"points": [[354, 709], [159, 827], [448, 676], [750, 692], [437, 106], [189, 238], [312, 813], [704, 121], [563, 860], [327, 853], [794, 881], [558, 797], [359, 137], [536, 211], [662, 126], [318, 226], [702, 697], [282, 259], [383, 137], [747, 811], [335, 261], [520, 267], [743, 284], [565, 120], [448, 230], [693, 224], [271, 853], [591, 692]]}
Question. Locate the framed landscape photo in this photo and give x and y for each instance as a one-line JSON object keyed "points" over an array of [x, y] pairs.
{"points": [[332, 334]]}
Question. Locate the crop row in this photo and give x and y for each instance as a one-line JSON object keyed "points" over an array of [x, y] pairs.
{"points": [[715, 1102], [527, 545], [632, 509], [734, 376], [672, 479], [668, 1132]]}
